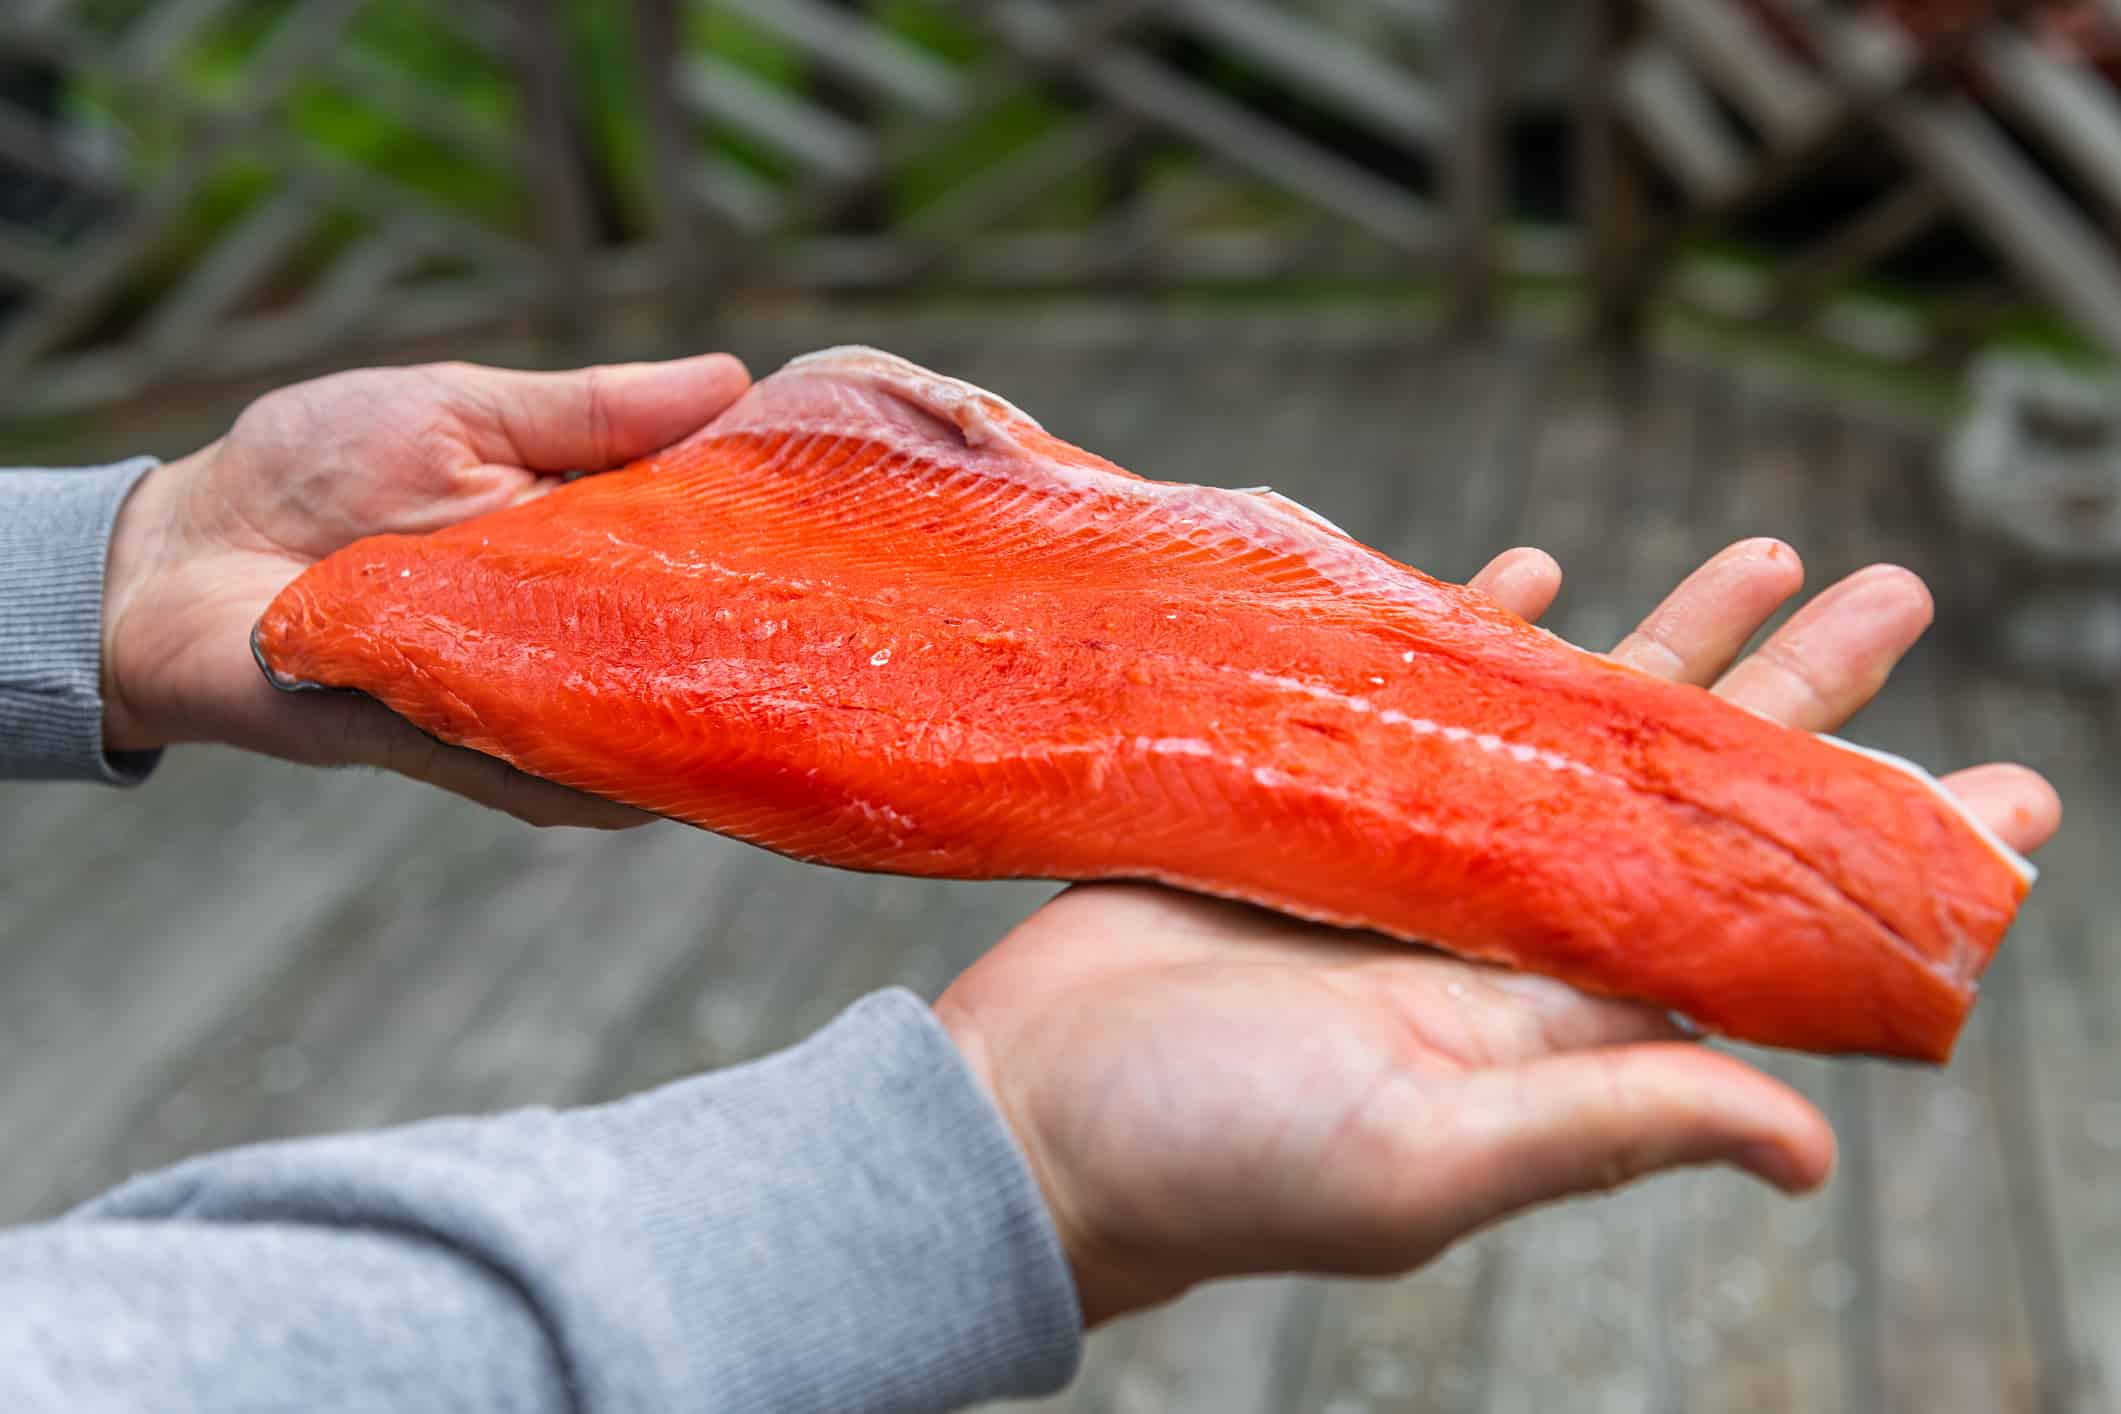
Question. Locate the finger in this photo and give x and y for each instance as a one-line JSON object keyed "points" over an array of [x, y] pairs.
{"points": [[590, 419], [498, 786], [2018, 804], [1821, 667], [1704, 623], [1593, 1121], [1523, 580], [365, 733]]}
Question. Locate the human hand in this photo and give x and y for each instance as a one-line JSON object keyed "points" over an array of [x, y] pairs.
{"points": [[1207, 1090], [204, 544]]}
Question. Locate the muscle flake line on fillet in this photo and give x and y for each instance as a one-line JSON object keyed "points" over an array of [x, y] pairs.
{"points": [[2023, 867], [1953, 974], [1176, 776], [1490, 742]]}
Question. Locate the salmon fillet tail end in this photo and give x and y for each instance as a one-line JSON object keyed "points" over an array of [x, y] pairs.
{"points": [[879, 618]]}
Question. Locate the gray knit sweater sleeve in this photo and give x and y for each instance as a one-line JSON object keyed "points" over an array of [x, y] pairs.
{"points": [[847, 1225], [54, 532]]}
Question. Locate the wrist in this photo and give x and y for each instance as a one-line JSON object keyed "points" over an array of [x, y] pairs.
{"points": [[136, 580], [1106, 1286]]}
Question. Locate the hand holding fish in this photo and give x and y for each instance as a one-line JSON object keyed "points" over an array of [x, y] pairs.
{"points": [[1206, 1090], [204, 544], [1202, 1089]]}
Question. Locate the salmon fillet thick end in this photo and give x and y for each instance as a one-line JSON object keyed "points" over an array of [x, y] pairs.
{"points": [[878, 618]]}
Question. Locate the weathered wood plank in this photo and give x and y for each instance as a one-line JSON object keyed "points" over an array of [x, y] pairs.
{"points": [[1228, 131], [248, 255], [222, 884], [1771, 87], [433, 921], [1325, 67], [2069, 104], [347, 290], [2057, 1078], [550, 157], [1950, 1335], [738, 196], [1611, 180], [864, 52], [679, 255], [1478, 159], [802, 131], [1674, 115]]}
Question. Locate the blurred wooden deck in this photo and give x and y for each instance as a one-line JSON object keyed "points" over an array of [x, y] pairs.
{"points": [[242, 951]]}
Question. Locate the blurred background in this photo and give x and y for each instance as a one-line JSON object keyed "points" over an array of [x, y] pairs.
{"points": [[1628, 279]]}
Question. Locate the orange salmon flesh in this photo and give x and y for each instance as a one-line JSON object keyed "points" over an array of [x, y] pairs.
{"points": [[877, 618]]}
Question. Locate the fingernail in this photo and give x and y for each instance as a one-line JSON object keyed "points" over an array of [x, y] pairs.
{"points": [[1765, 549]]}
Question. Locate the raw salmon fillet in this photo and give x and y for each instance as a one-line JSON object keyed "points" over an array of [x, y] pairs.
{"points": [[878, 618]]}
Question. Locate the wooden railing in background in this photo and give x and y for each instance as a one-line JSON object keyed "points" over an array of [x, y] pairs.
{"points": [[323, 254], [1734, 100], [726, 225], [226, 239]]}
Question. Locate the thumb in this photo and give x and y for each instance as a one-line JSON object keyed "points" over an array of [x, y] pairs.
{"points": [[1590, 1121], [590, 419]]}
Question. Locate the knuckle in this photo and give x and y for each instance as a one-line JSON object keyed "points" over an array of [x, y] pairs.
{"points": [[597, 413]]}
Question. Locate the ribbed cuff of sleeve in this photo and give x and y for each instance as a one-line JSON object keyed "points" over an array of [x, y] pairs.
{"points": [[55, 529], [857, 1209]]}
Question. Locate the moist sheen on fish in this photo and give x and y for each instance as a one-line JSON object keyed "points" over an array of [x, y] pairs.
{"points": [[877, 618]]}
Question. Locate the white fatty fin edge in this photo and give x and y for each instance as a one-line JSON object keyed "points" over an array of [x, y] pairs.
{"points": [[961, 402], [1303, 510], [2025, 868], [1269, 493], [964, 403]]}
